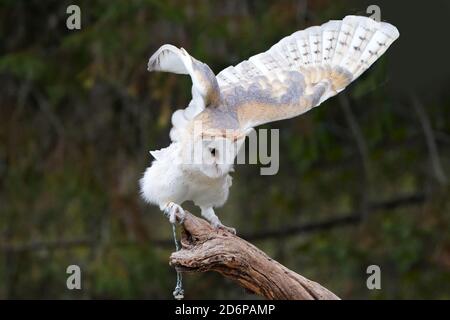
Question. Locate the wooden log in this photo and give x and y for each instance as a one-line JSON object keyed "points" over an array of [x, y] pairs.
{"points": [[205, 248]]}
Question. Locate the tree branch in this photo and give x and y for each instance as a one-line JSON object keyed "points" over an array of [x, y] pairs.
{"points": [[206, 249], [425, 122], [351, 218], [363, 150], [286, 231]]}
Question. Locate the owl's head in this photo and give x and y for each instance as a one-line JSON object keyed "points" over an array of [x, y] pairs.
{"points": [[213, 154]]}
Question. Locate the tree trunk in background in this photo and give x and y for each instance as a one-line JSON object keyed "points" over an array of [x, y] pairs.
{"points": [[207, 249]]}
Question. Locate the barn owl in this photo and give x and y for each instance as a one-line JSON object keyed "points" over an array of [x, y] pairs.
{"points": [[295, 75]]}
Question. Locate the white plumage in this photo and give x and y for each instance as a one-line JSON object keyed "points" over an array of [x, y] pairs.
{"points": [[296, 74], [353, 43]]}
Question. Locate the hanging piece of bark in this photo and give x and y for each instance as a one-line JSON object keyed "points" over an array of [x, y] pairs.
{"points": [[206, 249]]}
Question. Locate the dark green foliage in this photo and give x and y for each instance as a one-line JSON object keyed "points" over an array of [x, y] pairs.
{"points": [[79, 112]]}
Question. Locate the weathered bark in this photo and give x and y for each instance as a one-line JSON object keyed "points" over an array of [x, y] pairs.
{"points": [[207, 249]]}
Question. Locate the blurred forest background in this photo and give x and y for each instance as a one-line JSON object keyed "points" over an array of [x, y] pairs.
{"points": [[363, 178]]}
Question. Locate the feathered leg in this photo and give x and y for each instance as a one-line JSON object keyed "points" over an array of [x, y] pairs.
{"points": [[208, 213]]}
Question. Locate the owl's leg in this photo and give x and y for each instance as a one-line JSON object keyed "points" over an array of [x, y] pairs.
{"points": [[208, 213], [171, 209]]}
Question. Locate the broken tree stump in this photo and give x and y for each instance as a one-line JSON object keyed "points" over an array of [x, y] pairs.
{"points": [[206, 249]]}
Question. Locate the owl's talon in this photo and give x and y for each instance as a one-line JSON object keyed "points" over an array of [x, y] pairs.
{"points": [[224, 227], [171, 210], [183, 216]]}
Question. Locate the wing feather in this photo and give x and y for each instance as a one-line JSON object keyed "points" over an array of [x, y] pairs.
{"points": [[205, 89], [304, 69]]}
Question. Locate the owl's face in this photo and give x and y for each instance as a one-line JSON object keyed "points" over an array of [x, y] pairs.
{"points": [[214, 156]]}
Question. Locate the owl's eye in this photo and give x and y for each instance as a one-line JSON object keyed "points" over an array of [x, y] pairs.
{"points": [[213, 151]]}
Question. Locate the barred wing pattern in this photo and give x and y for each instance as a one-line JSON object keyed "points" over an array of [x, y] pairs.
{"points": [[304, 69]]}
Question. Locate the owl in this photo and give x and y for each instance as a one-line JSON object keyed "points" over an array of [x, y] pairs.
{"points": [[295, 75]]}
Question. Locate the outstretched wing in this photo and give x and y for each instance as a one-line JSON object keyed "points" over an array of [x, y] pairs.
{"points": [[303, 70], [205, 89]]}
